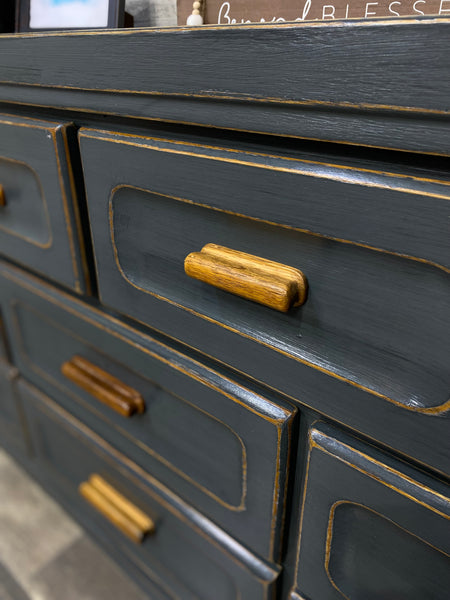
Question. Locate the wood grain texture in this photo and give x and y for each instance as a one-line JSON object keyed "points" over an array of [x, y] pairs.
{"points": [[102, 385], [116, 508], [307, 80], [264, 281], [144, 522], [120, 520]]}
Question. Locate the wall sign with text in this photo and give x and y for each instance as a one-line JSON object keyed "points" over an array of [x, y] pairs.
{"points": [[233, 12]]}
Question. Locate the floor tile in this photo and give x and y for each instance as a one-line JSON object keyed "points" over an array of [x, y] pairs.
{"points": [[82, 572]]}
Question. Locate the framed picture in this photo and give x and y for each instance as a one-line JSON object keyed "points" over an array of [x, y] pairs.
{"points": [[45, 15]]}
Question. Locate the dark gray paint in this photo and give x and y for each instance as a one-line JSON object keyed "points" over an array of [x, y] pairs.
{"points": [[11, 433], [34, 223], [357, 507], [179, 558], [348, 79], [221, 452]]}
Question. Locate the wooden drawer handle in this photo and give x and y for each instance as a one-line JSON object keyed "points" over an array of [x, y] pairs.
{"points": [[265, 281], [103, 386], [2, 196], [116, 508]]}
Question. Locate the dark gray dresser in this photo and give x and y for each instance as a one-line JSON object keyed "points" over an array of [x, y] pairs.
{"points": [[225, 301]]}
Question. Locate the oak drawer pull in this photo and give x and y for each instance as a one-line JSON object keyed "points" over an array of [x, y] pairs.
{"points": [[116, 508], [270, 283], [2, 196], [103, 386]]}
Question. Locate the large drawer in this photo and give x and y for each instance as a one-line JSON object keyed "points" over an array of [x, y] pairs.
{"points": [[369, 347], [179, 553], [220, 446], [371, 527], [39, 218]]}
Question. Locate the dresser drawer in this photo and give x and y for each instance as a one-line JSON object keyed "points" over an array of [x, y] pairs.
{"points": [[178, 553], [371, 342], [11, 432], [39, 220], [217, 444], [371, 527]]}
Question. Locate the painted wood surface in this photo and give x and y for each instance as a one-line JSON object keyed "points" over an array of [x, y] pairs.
{"points": [[11, 432], [103, 386], [269, 283], [187, 557], [359, 82]]}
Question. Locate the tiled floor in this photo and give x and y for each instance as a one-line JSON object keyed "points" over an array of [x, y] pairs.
{"points": [[44, 555]]}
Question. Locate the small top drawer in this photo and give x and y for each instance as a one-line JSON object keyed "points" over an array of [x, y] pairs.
{"points": [[371, 527], [217, 444], [39, 220], [369, 345]]}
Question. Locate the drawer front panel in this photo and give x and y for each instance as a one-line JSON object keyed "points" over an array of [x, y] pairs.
{"points": [[370, 529], [39, 220], [11, 432], [369, 345], [178, 558], [218, 445]]}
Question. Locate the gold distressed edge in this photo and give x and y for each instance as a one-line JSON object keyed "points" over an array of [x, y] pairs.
{"points": [[76, 211], [135, 474], [305, 173], [106, 135], [66, 209], [329, 537], [387, 468], [293, 171], [49, 242], [242, 98], [49, 378], [280, 494], [31, 122], [441, 408], [227, 128]]}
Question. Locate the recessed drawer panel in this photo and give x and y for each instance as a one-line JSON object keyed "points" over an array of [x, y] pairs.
{"points": [[219, 445], [39, 221], [371, 527], [11, 432], [174, 551], [370, 343]]}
